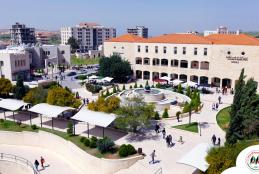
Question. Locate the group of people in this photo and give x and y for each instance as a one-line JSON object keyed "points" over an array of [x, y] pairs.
{"points": [[214, 140], [36, 163], [215, 106], [86, 101], [168, 138]]}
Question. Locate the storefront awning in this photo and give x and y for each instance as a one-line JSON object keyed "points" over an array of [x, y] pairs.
{"points": [[12, 104], [94, 118], [197, 157], [49, 110]]}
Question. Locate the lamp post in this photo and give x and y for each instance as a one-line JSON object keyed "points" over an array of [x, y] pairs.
{"points": [[200, 128]]}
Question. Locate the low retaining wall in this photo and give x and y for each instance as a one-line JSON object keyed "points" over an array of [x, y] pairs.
{"points": [[74, 155]]}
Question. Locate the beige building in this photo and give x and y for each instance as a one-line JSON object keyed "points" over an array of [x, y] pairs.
{"points": [[216, 59], [14, 62]]}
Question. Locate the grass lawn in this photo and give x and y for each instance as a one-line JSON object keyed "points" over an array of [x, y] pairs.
{"points": [[84, 61], [193, 127], [7, 125], [223, 118]]}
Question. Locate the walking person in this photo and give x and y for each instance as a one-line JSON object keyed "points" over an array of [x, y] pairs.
{"points": [[213, 139], [167, 141], [219, 141], [219, 99], [153, 154], [42, 161], [157, 128], [170, 140], [213, 106], [164, 133], [36, 164], [217, 106]]}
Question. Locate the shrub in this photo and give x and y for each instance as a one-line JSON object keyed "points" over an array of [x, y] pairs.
{"points": [[157, 117], [82, 139], [158, 85], [1, 120], [123, 87], [126, 150], [114, 89], [93, 88], [105, 144], [34, 127], [153, 86], [70, 128], [165, 114], [180, 89], [130, 87], [141, 86], [87, 142], [93, 142], [107, 92], [135, 85]]}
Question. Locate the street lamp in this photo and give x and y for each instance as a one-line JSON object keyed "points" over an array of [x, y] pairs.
{"points": [[200, 127]]}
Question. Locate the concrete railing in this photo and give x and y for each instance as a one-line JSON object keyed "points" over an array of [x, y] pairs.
{"points": [[85, 162]]}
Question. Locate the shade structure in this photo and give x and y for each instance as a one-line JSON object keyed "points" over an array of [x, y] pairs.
{"points": [[190, 84], [94, 118], [160, 80], [166, 78], [93, 77], [49, 110], [176, 82], [12, 104], [197, 157], [107, 79]]}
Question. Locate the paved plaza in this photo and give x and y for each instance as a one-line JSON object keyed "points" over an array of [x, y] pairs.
{"points": [[166, 157]]}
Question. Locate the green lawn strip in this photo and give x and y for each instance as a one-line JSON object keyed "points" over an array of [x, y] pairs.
{"points": [[223, 118], [193, 127], [11, 126], [84, 61]]}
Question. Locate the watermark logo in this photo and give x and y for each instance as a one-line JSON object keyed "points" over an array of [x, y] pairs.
{"points": [[252, 160]]}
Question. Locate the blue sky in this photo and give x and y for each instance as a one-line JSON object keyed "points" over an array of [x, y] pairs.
{"points": [[161, 16]]}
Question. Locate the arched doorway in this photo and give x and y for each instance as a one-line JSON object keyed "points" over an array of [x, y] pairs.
{"points": [[215, 82], [155, 75], [226, 82], [204, 80], [174, 76], [146, 75], [194, 78], [184, 64], [163, 74], [195, 64], [183, 77], [139, 74]]}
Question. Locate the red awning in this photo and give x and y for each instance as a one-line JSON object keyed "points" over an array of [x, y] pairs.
{"points": [[160, 80]]}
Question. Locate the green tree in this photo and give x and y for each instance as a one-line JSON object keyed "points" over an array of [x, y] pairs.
{"points": [[165, 113], [109, 105], [5, 87], [134, 115], [36, 95], [73, 43], [135, 85], [114, 89], [130, 87], [147, 83], [19, 89], [188, 91], [157, 117], [61, 97], [123, 87], [115, 67], [180, 89]]}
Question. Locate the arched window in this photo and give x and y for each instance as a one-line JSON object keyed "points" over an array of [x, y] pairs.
{"points": [[164, 62], [195, 64], [184, 64], [174, 63], [146, 61], [156, 62], [205, 65], [138, 60]]}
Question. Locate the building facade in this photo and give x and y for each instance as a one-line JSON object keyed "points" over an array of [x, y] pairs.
{"points": [[215, 59], [14, 62], [221, 30], [140, 31], [89, 35], [20, 34]]}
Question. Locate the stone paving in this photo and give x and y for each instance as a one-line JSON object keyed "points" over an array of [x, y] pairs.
{"points": [[166, 157]]}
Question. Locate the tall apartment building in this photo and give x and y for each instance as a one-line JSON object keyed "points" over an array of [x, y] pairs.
{"points": [[20, 34], [89, 35], [140, 31], [221, 30]]}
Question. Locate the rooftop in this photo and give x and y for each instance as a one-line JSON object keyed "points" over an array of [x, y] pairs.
{"points": [[217, 39]]}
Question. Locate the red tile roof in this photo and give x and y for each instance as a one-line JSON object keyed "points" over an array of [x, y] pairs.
{"points": [[232, 39], [217, 39], [127, 38]]}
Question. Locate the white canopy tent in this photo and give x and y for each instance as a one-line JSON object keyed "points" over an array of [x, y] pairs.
{"points": [[166, 78], [12, 105], [94, 118], [197, 157], [50, 111], [176, 82], [93, 77], [107, 79], [190, 84]]}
